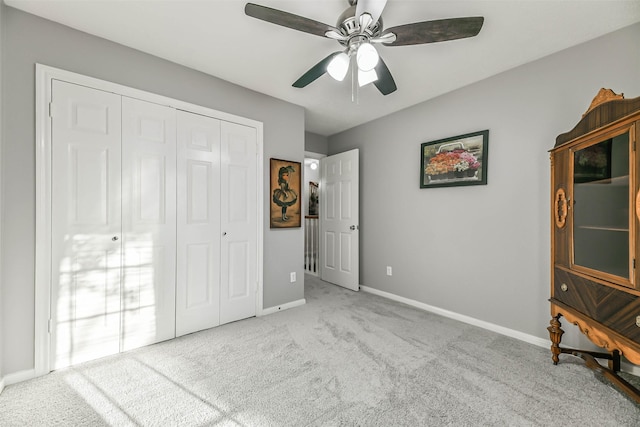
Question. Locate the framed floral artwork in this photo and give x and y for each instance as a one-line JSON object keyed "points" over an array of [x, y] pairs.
{"points": [[284, 203], [455, 161]]}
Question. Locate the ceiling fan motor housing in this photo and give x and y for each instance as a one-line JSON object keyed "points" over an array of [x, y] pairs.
{"points": [[350, 27]]}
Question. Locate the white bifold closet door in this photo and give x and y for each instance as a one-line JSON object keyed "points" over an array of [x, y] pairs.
{"points": [[154, 223], [217, 223], [113, 223], [239, 222], [198, 283], [85, 224], [148, 223]]}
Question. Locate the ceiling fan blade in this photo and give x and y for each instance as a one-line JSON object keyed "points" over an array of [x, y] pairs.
{"points": [[372, 7], [288, 20], [385, 82], [316, 71], [386, 38], [435, 31]]}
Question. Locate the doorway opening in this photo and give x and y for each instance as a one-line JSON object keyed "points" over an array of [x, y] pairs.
{"points": [[311, 203]]}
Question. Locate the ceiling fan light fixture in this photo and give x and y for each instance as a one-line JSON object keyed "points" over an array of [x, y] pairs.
{"points": [[357, 29], [367, 57], [366, 77], [339, 66]]}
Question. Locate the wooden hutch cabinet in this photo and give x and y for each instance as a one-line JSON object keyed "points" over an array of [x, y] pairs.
{"points": [[595, 238]]}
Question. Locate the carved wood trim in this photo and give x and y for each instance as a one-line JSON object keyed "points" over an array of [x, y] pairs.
{"points": [[599, 334], [561, 208], [604, 95], [555, 335], [604, 110]]}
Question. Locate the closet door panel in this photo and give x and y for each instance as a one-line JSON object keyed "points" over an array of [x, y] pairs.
{"points": [[238, 262], [198, 265], [149, 222], [85, 219]]}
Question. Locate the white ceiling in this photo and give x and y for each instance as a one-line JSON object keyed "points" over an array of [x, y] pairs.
{"points": [[216, 37]]}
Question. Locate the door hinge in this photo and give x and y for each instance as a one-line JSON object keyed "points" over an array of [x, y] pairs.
{"points": [[634, 146]]}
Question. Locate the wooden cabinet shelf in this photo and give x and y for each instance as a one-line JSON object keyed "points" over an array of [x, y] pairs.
{"points": [[593, 227], [616, 180], [595, 190]]}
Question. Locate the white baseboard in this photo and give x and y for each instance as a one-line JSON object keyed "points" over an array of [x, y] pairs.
{"points": [[19, 376], [531, 339], [286, 306], [540, 342], [630, 368]]}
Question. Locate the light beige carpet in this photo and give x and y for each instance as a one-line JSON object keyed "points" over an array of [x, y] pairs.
{"points": [[343, 359]]}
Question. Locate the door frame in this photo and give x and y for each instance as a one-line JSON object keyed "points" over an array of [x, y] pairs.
{"points": [[44, 75]]}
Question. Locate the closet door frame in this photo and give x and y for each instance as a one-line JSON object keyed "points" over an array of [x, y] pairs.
{"points": [[44, 76]]}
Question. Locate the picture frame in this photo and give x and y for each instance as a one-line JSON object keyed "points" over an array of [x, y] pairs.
{"points": [[455, 161], [285, 195], [313, 198], [592, 163]]}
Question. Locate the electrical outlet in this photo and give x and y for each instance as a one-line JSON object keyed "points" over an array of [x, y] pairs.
{"points": [[389, 271], [292, 276]]}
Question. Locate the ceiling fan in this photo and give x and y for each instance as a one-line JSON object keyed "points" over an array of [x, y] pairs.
{"points": [[358, 28]]}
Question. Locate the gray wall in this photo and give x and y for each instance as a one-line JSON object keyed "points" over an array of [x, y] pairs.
{"points": [[481, 251], [29, 39], [316, 143]]}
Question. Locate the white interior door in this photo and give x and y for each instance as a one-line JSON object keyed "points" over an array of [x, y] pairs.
{"points": [[198, 280], [339, 219], [148, 222], [238, 222], [86, 227]]}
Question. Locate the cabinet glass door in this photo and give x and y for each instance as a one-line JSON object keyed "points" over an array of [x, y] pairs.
{"points": [[601, 201]]}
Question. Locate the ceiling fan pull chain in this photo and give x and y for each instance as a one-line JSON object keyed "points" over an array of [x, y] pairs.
{"points": [[354, 80]]}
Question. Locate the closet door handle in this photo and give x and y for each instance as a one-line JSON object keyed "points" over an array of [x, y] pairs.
{"points": [[638, 204], [114, 238], [224, 234]]}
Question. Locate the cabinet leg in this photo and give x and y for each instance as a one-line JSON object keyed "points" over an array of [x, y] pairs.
{"points": [[614, 363], [555, 334]]}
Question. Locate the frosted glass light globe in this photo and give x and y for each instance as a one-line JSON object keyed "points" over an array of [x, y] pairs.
{"points": [[366, 77], [367, 57], [339, 66]]}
